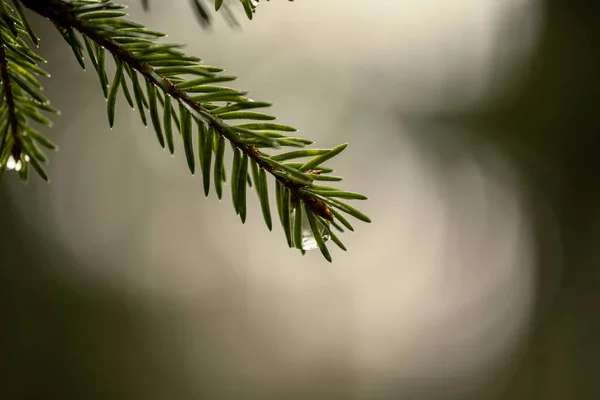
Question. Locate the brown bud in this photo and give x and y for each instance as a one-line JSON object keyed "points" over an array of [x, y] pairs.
{"points": [[320, 208]]}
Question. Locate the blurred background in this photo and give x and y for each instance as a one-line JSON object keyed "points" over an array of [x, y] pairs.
{"points": [[473, 128]]}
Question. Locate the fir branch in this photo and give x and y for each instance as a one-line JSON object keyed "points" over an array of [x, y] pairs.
{"points": [[11, 114], [165, 70], [21, 91]]}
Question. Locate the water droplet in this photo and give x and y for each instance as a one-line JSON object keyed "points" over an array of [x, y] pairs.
{"points": [[15, 165], [254, 2], [308, 239], [11, 163]]}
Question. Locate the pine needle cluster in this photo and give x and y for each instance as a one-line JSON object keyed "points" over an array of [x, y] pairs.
{"points": [[182, 99]]}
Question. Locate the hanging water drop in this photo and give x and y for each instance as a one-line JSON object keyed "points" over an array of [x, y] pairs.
{"points": [[308, 239], [14, 165]]}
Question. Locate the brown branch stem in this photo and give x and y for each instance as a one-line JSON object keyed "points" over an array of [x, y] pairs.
{"points": [[61, 13]]}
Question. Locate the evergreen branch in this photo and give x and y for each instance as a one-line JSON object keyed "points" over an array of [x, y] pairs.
{"points": [[172, 76], [12, 124], [23, 101]]}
